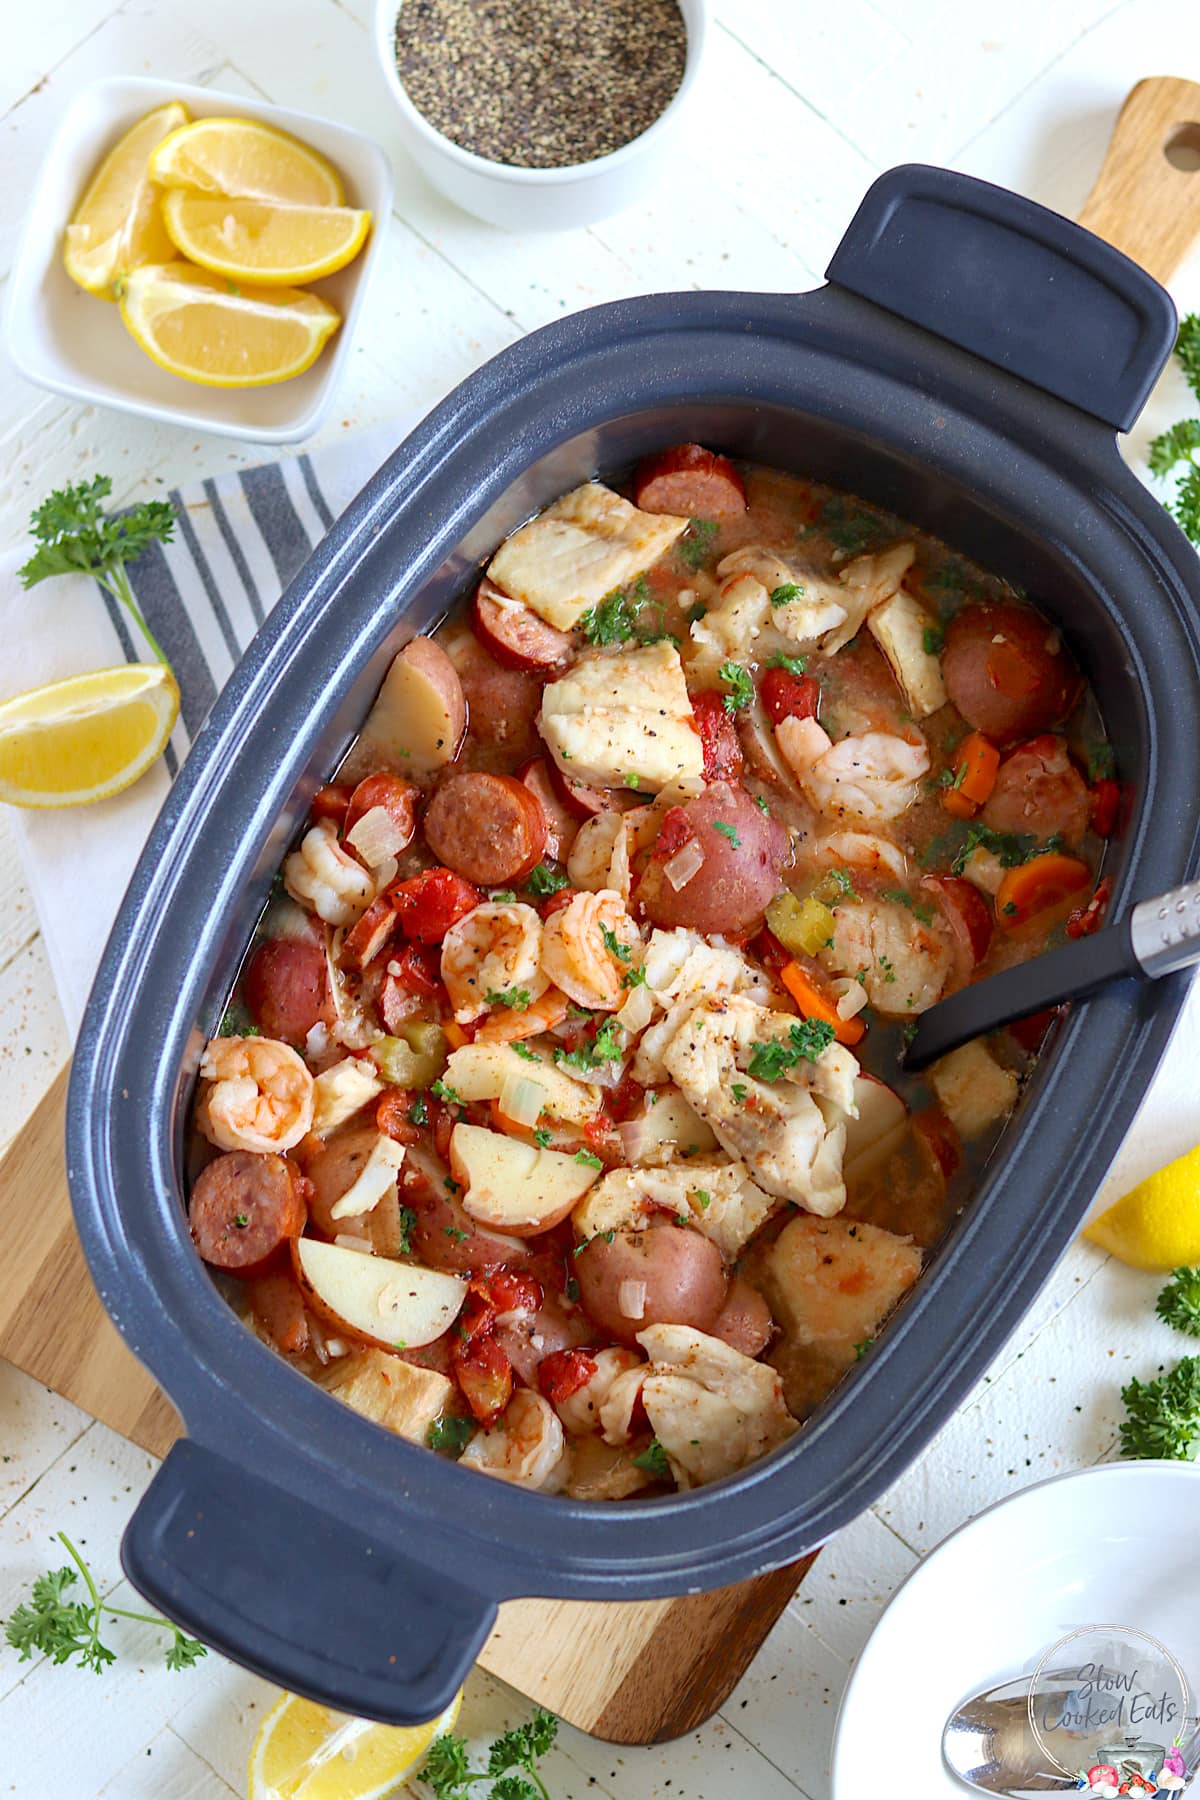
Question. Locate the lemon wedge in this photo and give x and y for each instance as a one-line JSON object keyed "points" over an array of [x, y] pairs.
{"points": [[307, 1752], [85, 738], [196, 325], [117, 225], [1156, 1225], [245, 159], [254, 241]]}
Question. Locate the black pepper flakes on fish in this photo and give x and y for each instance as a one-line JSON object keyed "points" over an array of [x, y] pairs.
{"points": [[540, 84]]}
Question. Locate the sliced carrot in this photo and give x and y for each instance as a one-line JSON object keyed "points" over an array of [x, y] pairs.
{"points": [[815, 1005], [455, 1036], [975, 764], [1035, 886]]}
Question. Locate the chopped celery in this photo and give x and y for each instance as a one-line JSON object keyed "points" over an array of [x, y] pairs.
{"points": [[802, 926]]}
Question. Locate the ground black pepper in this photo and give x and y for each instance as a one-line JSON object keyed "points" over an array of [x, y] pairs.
{"points": [[539, 84]]}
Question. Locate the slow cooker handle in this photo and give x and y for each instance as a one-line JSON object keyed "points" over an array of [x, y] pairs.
{"points": [[296, 1595], [1012, 282]]}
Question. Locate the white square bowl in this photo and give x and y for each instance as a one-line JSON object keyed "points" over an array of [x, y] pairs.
{"points": [[75, 344]]}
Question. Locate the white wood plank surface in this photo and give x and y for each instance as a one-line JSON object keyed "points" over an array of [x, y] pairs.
{"points": [[803, 106]]}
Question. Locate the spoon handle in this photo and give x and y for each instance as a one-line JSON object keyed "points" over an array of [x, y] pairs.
{"points": [[1158, 937]]}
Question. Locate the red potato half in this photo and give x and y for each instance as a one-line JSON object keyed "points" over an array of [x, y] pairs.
{"points": [[287, 988], [664, 1275], [373, 1299], [420, 717], [513, 1186], [878, 1130], [739, 854], [1007, 672]]}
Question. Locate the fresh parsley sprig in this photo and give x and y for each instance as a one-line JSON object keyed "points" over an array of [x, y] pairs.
{"points": [[1163, 1416], [62, 1628], [1176, 451], [1179, 1302], [76, 536], [511, 1763]]}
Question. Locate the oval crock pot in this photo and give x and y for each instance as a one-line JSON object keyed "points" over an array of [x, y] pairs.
{"points": [[967, 366]]}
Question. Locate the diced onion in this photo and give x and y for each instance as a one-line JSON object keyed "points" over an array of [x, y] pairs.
{"points": [[852, 996], [522, 1099], [687, 861], [346, 1240], [638, 1009], [631, 1299], [351, 1028], [376, 836], [337, 1346]]}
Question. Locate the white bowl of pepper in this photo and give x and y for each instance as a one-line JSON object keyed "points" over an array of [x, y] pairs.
{"points": [[541, 114]]}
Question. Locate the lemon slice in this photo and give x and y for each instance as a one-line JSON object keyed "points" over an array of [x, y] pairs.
{"points": [[254, 241], [196, 325], [117, 225], [1156, 1225], [86, 738], [246, 159], [307, 1752]]}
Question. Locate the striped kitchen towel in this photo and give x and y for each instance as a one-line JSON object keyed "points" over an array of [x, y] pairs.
{"points": [[239, 540]]}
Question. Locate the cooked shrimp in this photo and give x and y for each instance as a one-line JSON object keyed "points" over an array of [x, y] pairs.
{"points": [[858, 850], [600, 854], [589, 948], [526, 1445], [255, 1094], [874, 776], [903, 964], [580, 1411], [511, 1024], [496, 949], [327, 879]]}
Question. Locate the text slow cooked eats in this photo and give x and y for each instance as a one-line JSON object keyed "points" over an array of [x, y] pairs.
{"points": [[556, 1120]]}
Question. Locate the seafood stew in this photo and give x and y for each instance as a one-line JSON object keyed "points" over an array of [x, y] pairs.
{"points": [[556, 1120]]}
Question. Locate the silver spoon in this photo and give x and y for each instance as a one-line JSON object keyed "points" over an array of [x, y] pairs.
{"points": [[1155, 939]]}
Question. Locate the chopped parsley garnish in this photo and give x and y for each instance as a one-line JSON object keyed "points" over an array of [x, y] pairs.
{"points": [[616, 618], [951, 778], [450, 1095], [241, 1220], [418, 1112], [572, 1288], [806, 1041], [795, 665], [515, 998], [633, 781], [589, 1159], [545, 881], [408, 1224], [843, 881], [918, 911], [697, 543], [1179, 1302], [889, 972], [235, 1024], [448, 1773], [502, 897], [1009, 908], [604, 1047], [452, 1231], [786, 593], [740, 685], [933, 638], [654, 1460], [523, 1051], [622, 952], [451, 1186], [739, 1091], [728, 831], [543, 1138], [848, 527], [704, 1199], [695, 613], [860, 1349], [761, 804], [450, 1432], [1102, 764], [1163, 1416], [634, 978]]}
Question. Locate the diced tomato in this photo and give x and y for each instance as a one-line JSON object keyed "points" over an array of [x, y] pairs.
{"points": [[1105, 804], [557, 901], [1086, 919], [596, 1131], [770, 951], [442, 1121], [429, 904], [1030, 1031], [673, 833], [416, 969], [331, 801], [485, 1375], [788, 696], [391, 1116], [511, 1291], [626, 1098], [718, 737], [478, 1316], [563, 1373]]}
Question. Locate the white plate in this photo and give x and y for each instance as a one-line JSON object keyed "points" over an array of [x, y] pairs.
{"points": [[75, 344], [1112, 1545]]}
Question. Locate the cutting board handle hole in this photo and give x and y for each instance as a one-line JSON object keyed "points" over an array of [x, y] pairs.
{"points": [[1182, 148]]}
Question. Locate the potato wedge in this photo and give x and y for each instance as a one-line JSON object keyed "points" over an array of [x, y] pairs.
{"points": [[374, 1300], [513, 1186], [420, 717]]}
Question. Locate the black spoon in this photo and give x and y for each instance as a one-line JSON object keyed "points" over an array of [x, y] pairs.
{"points": [[1158, 937]]}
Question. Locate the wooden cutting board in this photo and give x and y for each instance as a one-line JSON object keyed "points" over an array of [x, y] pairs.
{"points": [[632, 1673]]}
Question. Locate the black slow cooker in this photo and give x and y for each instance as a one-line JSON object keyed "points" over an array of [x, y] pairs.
{"points": [[968, 366]]}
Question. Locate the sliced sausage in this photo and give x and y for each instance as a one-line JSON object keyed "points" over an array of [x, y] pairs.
{"points": [[367, 937], [514, 634], [244, 1208], [1007, 672], [969, 918], [1039, 790], [715, 865], [279, 1310], [488, 828], [562, 825], [397, 797], [691, 482], [287, 988], [718, 736], [330, 802], [664, 1275], [502, 705]]}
